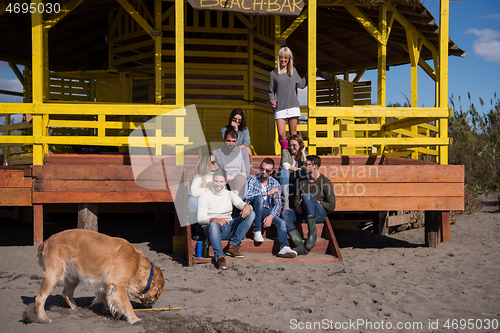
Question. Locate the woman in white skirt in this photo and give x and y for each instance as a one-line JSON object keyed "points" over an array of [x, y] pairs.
{"points": [[283, 83]]}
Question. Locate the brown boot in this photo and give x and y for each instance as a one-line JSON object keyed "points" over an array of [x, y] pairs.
{"points": [[234, 251], [221, 263]]}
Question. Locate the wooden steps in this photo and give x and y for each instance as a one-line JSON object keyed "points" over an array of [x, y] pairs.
{"points": [[268, 257], [326, 249]]}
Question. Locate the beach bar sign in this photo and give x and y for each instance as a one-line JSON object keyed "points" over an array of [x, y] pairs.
{"points": [[262, 7]]}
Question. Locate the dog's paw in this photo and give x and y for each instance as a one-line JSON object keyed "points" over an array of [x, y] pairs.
{"points": [[133, 320], [45, 320]]}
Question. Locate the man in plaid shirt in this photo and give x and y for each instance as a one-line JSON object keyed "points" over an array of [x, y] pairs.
{"points": [[263, 193]]}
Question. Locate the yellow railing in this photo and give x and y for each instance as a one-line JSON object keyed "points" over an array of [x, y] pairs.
{"points": [[354, 130], [104, 130]]}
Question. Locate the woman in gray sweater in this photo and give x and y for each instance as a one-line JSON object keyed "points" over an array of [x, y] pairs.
{"points": [[283, 83], [291, 172]]}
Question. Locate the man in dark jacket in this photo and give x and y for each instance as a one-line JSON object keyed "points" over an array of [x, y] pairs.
{"points": [[314, 200]]}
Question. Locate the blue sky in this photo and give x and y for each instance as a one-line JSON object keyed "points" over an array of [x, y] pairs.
{"points": [[474, 27]]}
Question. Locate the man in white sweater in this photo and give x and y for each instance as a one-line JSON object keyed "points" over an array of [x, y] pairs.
{"points": [[214, 215]]}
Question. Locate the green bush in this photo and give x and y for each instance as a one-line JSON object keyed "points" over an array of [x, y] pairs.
{"points": [[476, 144]]}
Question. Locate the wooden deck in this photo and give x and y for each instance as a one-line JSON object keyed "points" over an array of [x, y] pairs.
{"points": [[362, 183]]}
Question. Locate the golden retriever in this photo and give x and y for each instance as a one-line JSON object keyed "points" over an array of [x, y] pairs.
{"points": [[109, 265]]}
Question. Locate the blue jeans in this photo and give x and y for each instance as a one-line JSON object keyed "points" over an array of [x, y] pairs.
{"points": [[310, 206], [261, 213], [234, 231], [192, 204], [284, 179]]}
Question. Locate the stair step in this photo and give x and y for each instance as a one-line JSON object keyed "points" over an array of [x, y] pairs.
{"points": [[268, 257], [270, 245], [301, 227]]}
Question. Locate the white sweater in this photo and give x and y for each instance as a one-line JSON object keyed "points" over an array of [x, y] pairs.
{"points": [[219, 206], [197, 188]]}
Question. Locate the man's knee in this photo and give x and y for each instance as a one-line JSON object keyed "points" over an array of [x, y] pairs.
{"points": [[307, 197], [213, 228], [251, 216], [258, 200]]}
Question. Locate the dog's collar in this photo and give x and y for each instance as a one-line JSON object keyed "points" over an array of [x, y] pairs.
{"points": [[151, 275]]}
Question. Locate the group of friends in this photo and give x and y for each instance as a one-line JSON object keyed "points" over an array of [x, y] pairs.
{"points": [[222, 181]]}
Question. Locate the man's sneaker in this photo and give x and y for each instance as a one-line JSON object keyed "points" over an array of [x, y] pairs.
{"points": [[257, 237], [287, 252], [234, 251], [221, 263]]}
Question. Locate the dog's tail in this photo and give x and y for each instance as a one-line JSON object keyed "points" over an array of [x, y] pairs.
{"points": [[39, 255]]}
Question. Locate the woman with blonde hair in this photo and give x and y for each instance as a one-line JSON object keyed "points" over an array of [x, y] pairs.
{"points": [[202, 181], [283, 83], [292, 161]]}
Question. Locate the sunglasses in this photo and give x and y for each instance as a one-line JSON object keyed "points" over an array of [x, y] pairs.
{"points": [[284, 58], [266, 170], [294, 145], [236, 120]]}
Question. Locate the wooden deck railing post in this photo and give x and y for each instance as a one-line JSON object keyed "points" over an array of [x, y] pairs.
{"points": [[437, 227], [87, 216], [37, 225]]}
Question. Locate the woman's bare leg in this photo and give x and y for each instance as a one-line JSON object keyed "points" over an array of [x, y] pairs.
{"points": [[281, 125], [292, 125]]}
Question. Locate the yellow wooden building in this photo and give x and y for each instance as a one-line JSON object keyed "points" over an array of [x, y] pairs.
{"points": [[97, 69]]}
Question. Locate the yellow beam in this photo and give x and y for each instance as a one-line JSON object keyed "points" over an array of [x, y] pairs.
{"points": [[366, 22], [277, 34], [407, 25], [65, 10], [444, 20], [382, 58], [179, 53], [158, 51], [405, 122], [414, 48], [136, 16], [37, 50], [311, 70], [369, 142], [375, 111], [298, 21], [91, 109]]}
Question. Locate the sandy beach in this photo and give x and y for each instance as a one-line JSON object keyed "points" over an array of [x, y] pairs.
{"points": [[384, 284]]}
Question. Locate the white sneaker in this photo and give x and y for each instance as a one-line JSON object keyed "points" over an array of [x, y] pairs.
{"points": [[287, 252], [257, 237]]}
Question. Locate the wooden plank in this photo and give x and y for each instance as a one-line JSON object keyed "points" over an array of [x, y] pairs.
{"points": [[399, 203], [395, 173], [15, 182], [15, 196], [272, 259], [388, 189], [101, 197], [398, 220], [12, 174], [97, 185], [77, 159], [333, 246]]}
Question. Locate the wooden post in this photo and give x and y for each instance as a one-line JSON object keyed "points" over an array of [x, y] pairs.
{"points": [[379, 225], [437, 228], [37, 225], [87, 216]]}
